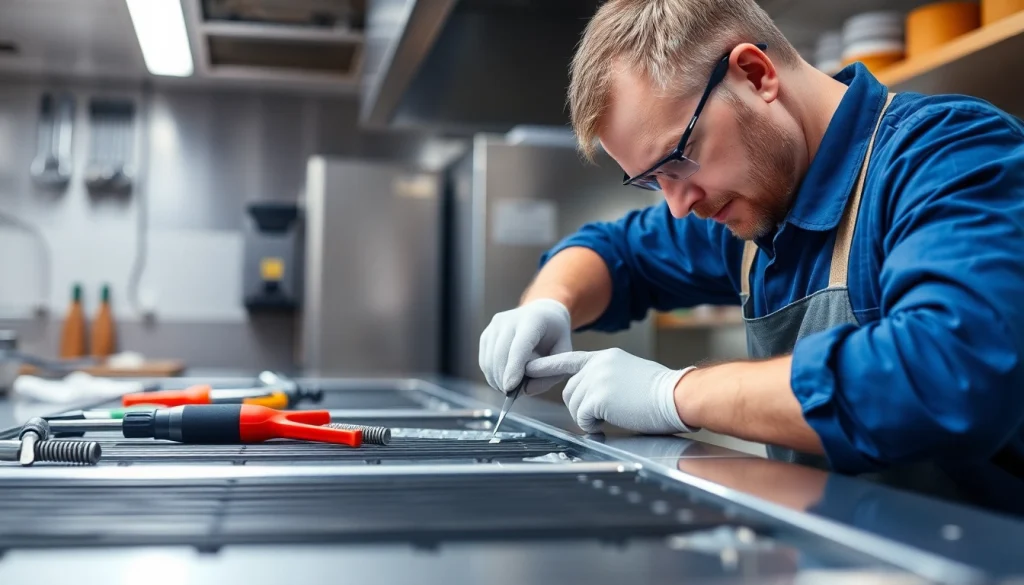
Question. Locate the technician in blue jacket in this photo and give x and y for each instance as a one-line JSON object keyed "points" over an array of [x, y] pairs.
{"points": [[874, 240]]}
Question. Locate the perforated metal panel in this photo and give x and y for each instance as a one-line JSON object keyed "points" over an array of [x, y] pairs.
{"points": [[420, 508]]}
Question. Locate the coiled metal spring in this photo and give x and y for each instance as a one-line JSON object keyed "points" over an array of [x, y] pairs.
{"points": [[371, 435], [80, 452]]}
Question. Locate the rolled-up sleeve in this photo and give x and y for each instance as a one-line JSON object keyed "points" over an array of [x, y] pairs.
{"points": [[659, 262], [940, 374]]}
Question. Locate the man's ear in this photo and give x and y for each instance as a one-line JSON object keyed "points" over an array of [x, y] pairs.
{"points": [[751, 69]]}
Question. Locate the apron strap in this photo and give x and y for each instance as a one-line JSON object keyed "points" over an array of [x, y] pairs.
{"points": [[839, 271], [749, 252]]}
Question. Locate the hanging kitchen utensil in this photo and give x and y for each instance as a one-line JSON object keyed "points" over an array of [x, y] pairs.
{"points": [[52, 165], [111, 146]]}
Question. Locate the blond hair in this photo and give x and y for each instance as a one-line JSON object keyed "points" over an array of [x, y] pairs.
{"points": [[673, 43]]}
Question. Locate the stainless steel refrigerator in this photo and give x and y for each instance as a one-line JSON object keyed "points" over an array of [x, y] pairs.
{"points": [[512, 198], [372, 296]]}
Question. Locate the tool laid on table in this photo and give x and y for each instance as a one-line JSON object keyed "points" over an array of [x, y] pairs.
{"points": [[34, 445], [218, 424], [508, 406], [372, 435], [54, 451], [204, 394]]}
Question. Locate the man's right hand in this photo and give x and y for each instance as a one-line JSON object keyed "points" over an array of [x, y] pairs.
{"points": [[537, 329]]}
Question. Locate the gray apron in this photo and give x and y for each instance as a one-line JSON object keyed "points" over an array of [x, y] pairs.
{"points": [[995, 486], [776, 334]]}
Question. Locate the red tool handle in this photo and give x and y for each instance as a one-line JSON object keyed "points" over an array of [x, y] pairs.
{"points": [[199, 394], [259, 423]]}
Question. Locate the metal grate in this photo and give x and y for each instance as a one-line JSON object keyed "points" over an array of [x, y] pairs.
{"points": [[416, 508], [128, 451]]}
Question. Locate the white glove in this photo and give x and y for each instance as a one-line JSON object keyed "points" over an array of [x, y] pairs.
{"points": [[537, 329], [614, 386]]}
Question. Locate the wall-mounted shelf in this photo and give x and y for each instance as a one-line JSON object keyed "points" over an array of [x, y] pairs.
{"points": [[700, 319], [981, 63]]}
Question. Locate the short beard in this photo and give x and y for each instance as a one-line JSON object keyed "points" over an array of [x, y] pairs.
{"points": [[772, 155]]}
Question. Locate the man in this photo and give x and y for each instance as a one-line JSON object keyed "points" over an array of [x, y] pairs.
{"points": [[884, 302]]}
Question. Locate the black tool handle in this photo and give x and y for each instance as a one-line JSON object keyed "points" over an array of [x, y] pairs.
{"points": [[200, 423], [138, 424]]}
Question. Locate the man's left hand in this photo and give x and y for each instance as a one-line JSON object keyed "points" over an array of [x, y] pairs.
{"points": [[614, 386]]}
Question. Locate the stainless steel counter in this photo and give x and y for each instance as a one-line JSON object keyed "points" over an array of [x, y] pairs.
{"points": [[806, 525]]}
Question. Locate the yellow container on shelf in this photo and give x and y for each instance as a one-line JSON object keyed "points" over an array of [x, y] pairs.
{"points": [[875, 56], [933, 25], [993, 10]]}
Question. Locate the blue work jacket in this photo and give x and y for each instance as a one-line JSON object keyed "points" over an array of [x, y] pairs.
{"points": [[934, 369]]}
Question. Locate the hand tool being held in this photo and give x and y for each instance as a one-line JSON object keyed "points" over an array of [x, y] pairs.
{"points": [[507, 406], [538, 328], [219, 424]]}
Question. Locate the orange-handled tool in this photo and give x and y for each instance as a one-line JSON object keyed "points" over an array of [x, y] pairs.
{"points": [[204, 394], [192, 395]]}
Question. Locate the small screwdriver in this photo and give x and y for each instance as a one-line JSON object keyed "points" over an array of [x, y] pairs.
{"points": [[218, 424], [204, 394]]}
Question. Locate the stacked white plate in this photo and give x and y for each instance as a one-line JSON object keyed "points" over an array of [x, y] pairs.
{"points": [[874, 38], [828, 54]]}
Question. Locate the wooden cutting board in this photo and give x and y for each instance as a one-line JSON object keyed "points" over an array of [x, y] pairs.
{"points": [[148, 369]]}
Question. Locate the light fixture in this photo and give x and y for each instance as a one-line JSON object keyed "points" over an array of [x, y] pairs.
{"points": [[160, 26]]}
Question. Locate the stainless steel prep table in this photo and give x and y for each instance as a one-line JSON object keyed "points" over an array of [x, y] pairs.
{"points": [[639, 509]]}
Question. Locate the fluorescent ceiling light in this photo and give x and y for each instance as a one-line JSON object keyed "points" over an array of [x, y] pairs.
{"points": [[160, 26]]}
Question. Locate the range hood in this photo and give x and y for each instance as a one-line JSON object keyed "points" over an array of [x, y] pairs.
{"points": [[464, 66]]}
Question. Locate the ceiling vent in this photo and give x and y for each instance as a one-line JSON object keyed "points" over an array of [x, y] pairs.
{"points": [[309, 44], [319, 13]]}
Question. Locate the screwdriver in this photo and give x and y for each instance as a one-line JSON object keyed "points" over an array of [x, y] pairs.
{"points": [[204, 394], [218, 424], [98, 414], [507, 406]]}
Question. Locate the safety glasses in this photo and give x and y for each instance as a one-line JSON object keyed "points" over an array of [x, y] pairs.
{"points": [[675, 165]]}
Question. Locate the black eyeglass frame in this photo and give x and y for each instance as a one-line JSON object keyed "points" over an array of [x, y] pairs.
{"points": [[717, 75]]}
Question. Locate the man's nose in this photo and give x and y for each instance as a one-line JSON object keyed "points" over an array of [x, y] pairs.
{"points": [[681, 195]]}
